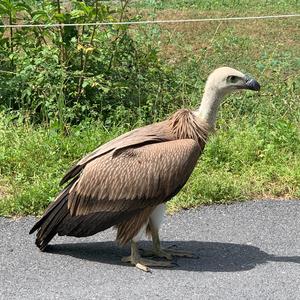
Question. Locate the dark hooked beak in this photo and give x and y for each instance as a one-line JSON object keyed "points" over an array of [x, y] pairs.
{"points": [[251, 84]]}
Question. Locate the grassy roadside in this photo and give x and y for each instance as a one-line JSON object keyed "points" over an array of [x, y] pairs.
{"points": [[261, 6], [33, 159], [242, 161], [255, 152]]}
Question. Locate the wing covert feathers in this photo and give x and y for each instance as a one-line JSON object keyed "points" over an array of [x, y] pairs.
{"points": [[183, 124], [135, 179], [153, 133]]}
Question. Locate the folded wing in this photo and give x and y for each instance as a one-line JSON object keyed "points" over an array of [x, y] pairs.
{"points": [[133, 179]]}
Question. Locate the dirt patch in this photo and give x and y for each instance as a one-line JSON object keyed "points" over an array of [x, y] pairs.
{"points": [[4, 191], [180, 38]]}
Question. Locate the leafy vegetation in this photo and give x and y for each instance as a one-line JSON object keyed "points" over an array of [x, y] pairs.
{"points": [[67, 74], [34, 158], [65, 90]]}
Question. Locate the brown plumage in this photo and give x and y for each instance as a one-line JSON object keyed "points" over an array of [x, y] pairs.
{"points": [[125, 182], [121, 182]]}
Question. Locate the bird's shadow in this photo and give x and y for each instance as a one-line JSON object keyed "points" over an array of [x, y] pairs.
{"points": [[211, 256]]}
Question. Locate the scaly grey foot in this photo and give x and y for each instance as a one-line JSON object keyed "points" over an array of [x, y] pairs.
{"points": [[157, 253], [168, 253], [144, 263]]}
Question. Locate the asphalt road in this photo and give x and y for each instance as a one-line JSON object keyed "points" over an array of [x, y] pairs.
{"points": [[247, 250]]}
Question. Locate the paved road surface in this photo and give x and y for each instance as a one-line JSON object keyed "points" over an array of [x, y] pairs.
{"points": [[247, 250]]}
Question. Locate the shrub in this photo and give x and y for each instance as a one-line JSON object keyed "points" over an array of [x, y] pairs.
{"points": [[67, 74]]}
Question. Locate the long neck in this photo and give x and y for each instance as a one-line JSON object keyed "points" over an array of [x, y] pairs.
{"points": [[209, 106]]}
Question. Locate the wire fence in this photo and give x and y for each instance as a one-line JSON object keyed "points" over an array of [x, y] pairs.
{"points": [[149, 22]]}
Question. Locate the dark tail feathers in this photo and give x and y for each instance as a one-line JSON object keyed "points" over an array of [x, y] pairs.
{"points": [[54, 214]]}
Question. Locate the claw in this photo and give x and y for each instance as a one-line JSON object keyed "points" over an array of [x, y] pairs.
{"points": [[142, 267], [144, 263]]}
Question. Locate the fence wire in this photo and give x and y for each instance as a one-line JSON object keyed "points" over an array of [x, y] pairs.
{"points": [[149, 22]]}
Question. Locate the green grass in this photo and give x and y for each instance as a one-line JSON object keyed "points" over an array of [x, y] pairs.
{"points": [[245, 162], [255, 152], [242, 161], [244, 6], [34, 159]]}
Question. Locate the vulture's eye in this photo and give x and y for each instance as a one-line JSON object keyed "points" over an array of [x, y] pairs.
{"points": [[232, 79]]}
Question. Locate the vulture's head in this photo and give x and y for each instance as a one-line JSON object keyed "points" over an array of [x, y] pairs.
{"points": [[221, 82], [224, 80]]}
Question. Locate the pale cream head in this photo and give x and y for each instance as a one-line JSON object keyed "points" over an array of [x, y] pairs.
{"points": [[225, 80], [220, 82]]}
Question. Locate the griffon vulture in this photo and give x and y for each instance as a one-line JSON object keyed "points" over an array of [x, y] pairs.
{"points": [[126, 182]]}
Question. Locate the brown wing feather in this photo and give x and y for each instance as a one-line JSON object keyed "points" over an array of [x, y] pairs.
{"points": [[135, 179], [154, 133]]}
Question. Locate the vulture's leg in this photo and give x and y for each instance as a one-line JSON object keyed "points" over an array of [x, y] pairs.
{"points": [[157, 251], [143, 263], [154, 224]]}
